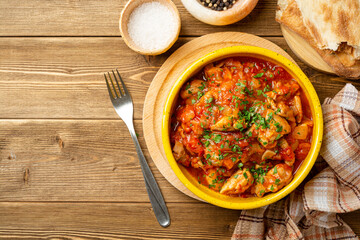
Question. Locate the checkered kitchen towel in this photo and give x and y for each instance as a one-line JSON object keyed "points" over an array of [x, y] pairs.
{"points": [[310, 212]]}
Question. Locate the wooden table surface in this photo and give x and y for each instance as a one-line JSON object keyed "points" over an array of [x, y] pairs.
{"points": [[68, 168]]}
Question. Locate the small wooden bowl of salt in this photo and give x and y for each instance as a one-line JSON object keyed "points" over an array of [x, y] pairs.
{"points": [[150, 27]]}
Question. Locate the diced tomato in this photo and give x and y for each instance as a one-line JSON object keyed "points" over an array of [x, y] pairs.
{"points": [[287, 154], [302, 151], [193, 145], [186, 113]]}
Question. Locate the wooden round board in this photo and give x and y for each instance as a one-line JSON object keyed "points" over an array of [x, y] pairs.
{"points": [[168, 74], [304, 50]]}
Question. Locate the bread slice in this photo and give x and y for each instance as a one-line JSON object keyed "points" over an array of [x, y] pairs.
{"points": [[331, 32]]}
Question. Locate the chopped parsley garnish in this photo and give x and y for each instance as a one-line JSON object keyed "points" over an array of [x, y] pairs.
{"points": [[279, 128], [202, 87], [199, 95], [217, 138], [240, 84], [259, 75], [209, 100]]}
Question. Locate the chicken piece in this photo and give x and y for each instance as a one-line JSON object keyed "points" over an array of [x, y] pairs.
{"points": [[180, 154], [294, 145], [191, 100], [231, 160], [240, 124], [256, 148], [213, 73], [268, 154], [227, 122], [286, 152], [224, 124], [277, 128], [271, 95], [274, 180], [233, 64], [226, 74], [285, 111], [207, 98], [258, 107], [301, 132], [212, 179], [283, 143], [192, 88], [285, 90], [196, 162], [215, 158], [239, 182], [255, 84], [307, 121], [281, 171], [185, 115], [282, 109], [212, 156], [297, 108]]}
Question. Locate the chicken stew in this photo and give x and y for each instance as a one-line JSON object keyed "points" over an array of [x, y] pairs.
{"points": [[241, 127]]}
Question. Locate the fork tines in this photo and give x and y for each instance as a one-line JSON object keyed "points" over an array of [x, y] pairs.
{"points": [[115, 91]]}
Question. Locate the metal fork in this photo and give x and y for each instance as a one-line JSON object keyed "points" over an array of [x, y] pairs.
{"points": [[124, 107]]}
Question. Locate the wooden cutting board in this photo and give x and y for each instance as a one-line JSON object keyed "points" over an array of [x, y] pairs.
{"points": [[305, 51], [168, 74]]}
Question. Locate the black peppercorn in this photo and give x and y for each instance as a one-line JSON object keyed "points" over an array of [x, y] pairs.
{"points": [[218, 5]]}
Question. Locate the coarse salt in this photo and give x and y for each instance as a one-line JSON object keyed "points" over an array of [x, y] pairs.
{"points": [[152, 26]]}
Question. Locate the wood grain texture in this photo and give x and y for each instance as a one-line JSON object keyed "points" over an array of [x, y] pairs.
{"points": [[94, 18], [74, 160], [64, 77], [119, 221], [61, 154], [113, 221]]}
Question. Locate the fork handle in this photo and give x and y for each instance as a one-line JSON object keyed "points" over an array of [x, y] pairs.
{"points": [[155, 196]]}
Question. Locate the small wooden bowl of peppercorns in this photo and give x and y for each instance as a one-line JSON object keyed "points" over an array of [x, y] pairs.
{"points": [[219, 12]]}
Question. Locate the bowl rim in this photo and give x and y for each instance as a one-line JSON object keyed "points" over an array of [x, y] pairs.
{"points": [[309, 91]]}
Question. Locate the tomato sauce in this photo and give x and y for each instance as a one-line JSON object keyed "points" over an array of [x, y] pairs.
{"points": [[242, 126]]}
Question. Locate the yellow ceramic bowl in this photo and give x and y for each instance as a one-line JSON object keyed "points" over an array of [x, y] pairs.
{"points": [[237, 202]]}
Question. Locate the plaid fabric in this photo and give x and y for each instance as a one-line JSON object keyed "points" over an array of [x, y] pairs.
{"points": [[310, 212]]}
